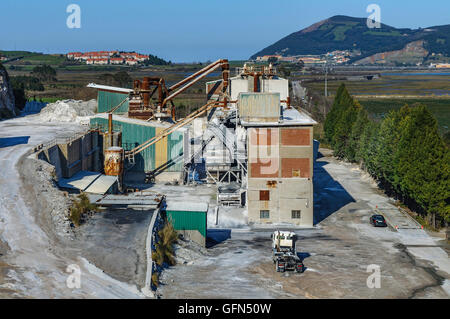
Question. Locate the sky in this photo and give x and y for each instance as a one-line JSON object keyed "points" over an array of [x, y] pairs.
{"points": [[189, 30]]}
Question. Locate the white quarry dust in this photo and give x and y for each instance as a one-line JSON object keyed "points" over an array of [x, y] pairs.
{"points": [[69, 111], [35, 261]]}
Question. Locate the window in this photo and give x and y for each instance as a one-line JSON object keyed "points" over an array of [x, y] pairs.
{"points": [[295, 173], [264, 214], [296, 214], [264, 195]]}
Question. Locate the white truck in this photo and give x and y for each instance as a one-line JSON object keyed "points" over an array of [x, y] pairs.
{"points": [[284, 252]]}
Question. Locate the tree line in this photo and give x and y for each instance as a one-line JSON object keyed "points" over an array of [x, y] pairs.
{"points": [[403, 152]]}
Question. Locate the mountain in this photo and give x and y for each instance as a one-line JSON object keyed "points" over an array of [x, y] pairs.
{"points": [[347, 33]]}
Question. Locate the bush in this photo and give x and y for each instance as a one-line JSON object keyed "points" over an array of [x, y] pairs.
{"points": [[155, 279], [80, 207], [164, 252], [44, 73]]}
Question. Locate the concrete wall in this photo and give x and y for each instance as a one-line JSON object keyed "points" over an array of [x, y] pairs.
{"points": [[276, 86], [70, 157], [237, 86], [285, 195]]}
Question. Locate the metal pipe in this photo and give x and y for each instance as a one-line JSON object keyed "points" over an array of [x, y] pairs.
{"points": [[189, 84], [145, 95], [196, 74], [110, 129]]}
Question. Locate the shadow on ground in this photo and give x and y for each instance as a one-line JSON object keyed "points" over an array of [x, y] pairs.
{"points": [[217, 236], [329, 195], [303, 256], [12, 141]]}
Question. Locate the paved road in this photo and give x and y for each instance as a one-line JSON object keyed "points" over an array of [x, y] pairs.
{"points": [[299, 91]]}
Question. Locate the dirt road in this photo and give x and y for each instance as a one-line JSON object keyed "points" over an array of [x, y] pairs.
{"points": [[336, 253], [33, 262]]}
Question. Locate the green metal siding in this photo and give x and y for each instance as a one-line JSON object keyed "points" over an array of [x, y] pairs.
{"points": [[175, 146], [187, 220], [109, 100], [135, 134]]}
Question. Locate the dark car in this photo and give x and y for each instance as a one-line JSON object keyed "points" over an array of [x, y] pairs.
{"points": [[378, 221]]}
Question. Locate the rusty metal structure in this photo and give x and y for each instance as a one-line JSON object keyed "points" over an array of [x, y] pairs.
{"points": [[114, 161], [152, 99], [140, 106]]}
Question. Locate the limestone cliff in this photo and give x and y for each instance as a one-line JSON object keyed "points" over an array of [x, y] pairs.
{"points": [[7, 103]]}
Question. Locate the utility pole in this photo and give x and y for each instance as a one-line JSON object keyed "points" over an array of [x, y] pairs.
{"points": [[326, 77]]}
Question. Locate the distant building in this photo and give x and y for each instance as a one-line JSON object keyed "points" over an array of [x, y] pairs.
{"points": [[102, 61], [312, 60], [141, 57], [131, 62], [74, 55], [116, 60], [443, 66], [108, 57], [266, 58]]}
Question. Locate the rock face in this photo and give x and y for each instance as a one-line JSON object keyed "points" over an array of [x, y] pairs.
{"points": [[413, 52], [7, 102]]}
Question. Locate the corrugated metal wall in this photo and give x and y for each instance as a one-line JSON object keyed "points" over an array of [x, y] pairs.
{"points": [[259, 107], [184, 220], [167, 152], [108, 100]]}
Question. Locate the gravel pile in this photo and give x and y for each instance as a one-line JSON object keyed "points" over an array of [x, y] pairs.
{"points": [[69, 111], [186, 252]]}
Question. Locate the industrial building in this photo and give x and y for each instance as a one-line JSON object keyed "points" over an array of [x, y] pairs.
{"points": [[246, 136], [278, 149], [189, 219]]}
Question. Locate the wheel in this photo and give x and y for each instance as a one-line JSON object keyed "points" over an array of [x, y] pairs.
{"points": [[299, 269]]}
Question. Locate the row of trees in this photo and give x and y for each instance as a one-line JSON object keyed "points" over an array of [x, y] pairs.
{"points": [[44, 73], [155, 60], [27, 83], [121, 78], [404, 153]]}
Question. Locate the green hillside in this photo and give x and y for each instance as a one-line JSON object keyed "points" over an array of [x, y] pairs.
{"points": [[347, 33]]}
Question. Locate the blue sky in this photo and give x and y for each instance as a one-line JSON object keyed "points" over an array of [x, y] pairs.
{"points": [[189, 30]]}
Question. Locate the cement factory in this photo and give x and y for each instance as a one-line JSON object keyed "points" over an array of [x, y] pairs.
{"points": [[247, 139]]}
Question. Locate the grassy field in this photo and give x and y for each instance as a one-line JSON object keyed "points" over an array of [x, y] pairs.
{"points": [[423, 85], [378, 108]]}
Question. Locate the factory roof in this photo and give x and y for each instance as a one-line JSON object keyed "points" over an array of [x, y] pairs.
{"points": [[109, 88], [139, 200], [101, 185], [289, 117], [123, 118], [89, 182], [187, 206]]}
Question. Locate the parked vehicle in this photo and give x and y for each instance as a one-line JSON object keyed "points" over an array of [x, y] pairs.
{"points": [[378, 221]]}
